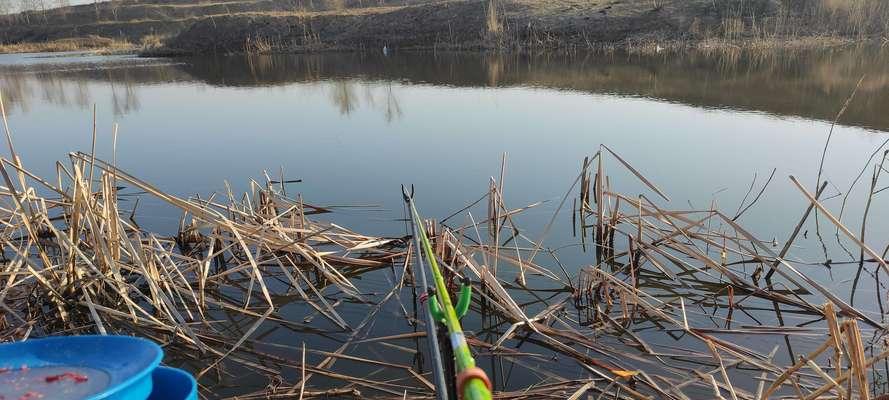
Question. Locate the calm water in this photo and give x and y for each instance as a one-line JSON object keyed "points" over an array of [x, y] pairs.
{"points": [[356, 127]]}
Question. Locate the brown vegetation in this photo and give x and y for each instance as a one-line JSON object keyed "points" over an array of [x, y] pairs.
{"points": [[311, 25], [70, 44], [76, 262], [568, 25]]}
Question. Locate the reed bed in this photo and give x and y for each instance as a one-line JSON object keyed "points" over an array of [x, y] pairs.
{"points": [[88, 43], [669, 306], [75, 263]]}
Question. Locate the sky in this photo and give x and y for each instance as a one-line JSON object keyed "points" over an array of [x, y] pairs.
{"points": [[72, 2]]}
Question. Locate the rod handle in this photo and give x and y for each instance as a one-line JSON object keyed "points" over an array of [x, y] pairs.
{"points": [[473, 384]]}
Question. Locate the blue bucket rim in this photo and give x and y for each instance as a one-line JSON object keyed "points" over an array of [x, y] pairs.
{"points": [[146, 372], [193, 383]]}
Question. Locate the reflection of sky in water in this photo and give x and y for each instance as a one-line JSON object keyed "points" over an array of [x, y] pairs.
{"points": [[62, 60], [355, 141]]}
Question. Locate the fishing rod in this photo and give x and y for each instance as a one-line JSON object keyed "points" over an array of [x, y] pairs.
{"points": [[472, 381], [431, 332]]}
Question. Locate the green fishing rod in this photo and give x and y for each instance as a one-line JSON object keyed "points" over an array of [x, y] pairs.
{"points": [[441, 392], [472, 381]]}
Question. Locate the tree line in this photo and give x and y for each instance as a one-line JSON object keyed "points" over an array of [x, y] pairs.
{"points": [[13, 6]]}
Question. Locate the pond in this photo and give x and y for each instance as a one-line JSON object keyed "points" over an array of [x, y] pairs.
{"points": [[708, 129]]}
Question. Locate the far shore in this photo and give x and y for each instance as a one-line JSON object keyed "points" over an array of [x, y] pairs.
{"points": [[177, 27], [103, 46]]}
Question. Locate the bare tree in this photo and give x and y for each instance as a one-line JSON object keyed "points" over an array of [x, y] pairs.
{"points": [[25, 6], [7, 7], [62, 8], [34, 5], [114, 6], [29, 5]]}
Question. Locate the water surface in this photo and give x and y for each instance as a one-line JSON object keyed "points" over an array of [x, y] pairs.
{"points": [[354, 127]]}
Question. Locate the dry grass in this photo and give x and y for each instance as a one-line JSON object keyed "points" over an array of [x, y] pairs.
{"points": [[75, 262], [152, 42], [492, 20], [751, 19], [72, 44], [660, 311], [854, 17], [500, 24], [258, 45]]}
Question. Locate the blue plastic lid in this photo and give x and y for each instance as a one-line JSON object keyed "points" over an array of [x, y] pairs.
{"points": [[78, 367]]}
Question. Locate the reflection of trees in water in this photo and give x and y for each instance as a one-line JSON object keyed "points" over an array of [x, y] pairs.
{"points": [[19, 90], [53, 91], [393, 108], [124, 99], [810, 84], [376, 96], [16, 92], [343, 96], [494, 67], [771, 81], [347, 93], [83, 95], [79, 86]]}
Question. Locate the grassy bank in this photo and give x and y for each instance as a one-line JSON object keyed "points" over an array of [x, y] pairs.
{"points": [[72, 44], [267, 26]]}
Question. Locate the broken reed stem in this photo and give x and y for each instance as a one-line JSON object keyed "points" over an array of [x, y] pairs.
{"points": [[879, 259], [109, 275]]}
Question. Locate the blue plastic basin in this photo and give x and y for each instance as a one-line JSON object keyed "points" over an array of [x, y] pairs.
{"points": [[173, 384], [116, 367]]}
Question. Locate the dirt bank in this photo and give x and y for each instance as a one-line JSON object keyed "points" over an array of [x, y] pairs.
{"points": [[453, 24], [522, 24], [269, 26]]}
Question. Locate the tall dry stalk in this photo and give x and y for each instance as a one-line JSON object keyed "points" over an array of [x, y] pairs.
{"points": [[493, 24]]}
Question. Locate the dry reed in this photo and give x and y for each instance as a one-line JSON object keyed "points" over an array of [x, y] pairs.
{"points": [[76, 262]]}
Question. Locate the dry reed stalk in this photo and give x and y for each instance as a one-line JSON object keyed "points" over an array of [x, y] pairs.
{"points": [[104, 254], [215, 288], [876, 256]]}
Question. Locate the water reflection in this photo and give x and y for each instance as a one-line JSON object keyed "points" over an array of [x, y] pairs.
{"points": [[342, 95], [806, 84], [66, 81], [355, 127]]}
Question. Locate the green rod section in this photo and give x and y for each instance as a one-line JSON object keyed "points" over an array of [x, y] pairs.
{"points": [[475, 388]]}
